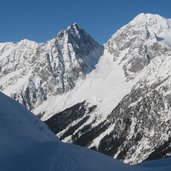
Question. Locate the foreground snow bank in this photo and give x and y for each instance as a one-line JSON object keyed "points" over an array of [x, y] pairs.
{"points": [[26, 144]]}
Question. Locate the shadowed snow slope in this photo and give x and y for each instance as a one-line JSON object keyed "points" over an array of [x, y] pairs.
{"points": [[28, 145]]}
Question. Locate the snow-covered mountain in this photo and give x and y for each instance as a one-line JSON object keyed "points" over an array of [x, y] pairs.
{"points": [[31, 72], [125, 111], [27, 144], [113, 98]]}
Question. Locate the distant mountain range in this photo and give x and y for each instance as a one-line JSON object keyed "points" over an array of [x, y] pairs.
{"points": [[114, 98]]}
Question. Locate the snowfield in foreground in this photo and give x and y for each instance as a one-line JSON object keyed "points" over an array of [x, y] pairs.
{"points": [[26, 144]]}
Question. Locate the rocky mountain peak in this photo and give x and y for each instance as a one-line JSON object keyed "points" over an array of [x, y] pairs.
{"points": [[147, 16], [153, 22], [73, 28], [52, 68], [81, 42], [136, 43]]}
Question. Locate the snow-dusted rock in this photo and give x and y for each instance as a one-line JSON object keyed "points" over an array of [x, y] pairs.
{"points": [[30, 72]]}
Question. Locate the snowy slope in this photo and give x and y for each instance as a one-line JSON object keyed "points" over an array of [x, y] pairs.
{"points": [[26, 144], [99, 88]]}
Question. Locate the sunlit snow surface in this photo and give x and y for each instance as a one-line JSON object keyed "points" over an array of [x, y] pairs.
{"points": [[26, 144]]}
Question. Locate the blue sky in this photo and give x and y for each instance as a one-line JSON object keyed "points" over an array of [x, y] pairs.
{"points": [[40, 20]]}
